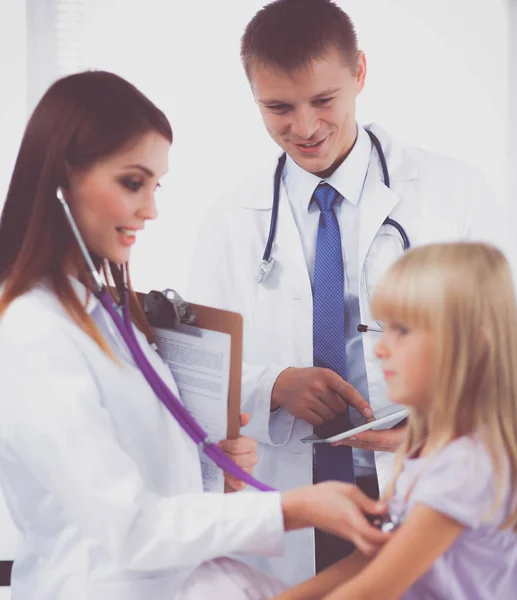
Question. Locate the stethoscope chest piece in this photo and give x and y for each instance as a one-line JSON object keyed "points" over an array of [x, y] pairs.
{"points": [[265, 269]]}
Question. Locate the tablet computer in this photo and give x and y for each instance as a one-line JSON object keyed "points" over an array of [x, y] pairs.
{"points": [[386, 417]]}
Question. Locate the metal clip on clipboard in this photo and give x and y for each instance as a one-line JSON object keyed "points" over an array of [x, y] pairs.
{"points": [[168, 309]]}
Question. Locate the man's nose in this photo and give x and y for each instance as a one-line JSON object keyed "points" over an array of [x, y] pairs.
{"points": [[305, 123]]}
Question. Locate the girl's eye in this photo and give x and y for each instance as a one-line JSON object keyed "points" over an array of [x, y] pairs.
{"points": [[132, 184], [401, 329], [398, 328]]}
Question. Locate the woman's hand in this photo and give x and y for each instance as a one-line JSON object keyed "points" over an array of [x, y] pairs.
{"points": [[243, 452], [338, 508]]}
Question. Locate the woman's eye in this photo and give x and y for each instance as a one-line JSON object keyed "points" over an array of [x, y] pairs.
{"points": [[132, 184]]}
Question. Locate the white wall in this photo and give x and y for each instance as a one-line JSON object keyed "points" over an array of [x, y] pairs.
{"points": [[512, 129], [442, 80], [13, 86]]}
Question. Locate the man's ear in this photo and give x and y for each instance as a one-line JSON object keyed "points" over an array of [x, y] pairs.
{"points": [[361, 70]]}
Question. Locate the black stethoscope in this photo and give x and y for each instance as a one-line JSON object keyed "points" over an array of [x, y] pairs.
{"points": [[267, 261]]}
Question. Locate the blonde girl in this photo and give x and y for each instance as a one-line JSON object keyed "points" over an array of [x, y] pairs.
{"points": [[449, 353]]}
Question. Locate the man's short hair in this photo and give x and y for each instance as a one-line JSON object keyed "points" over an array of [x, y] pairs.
{"points": [[289, 34]]}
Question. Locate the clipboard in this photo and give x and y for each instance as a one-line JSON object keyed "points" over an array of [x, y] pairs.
{"points": [[168, 310]]}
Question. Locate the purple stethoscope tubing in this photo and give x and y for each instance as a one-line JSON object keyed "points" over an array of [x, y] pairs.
{"points": [[165, 394], [160, 388]]}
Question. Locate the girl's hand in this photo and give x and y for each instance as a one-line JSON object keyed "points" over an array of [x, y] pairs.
{"points": [[243, 452], [338, 508]]}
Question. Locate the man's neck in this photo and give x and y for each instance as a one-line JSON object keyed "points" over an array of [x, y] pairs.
{"points": [[340, 160]]}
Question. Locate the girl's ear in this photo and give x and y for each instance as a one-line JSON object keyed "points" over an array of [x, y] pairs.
{"points": [[481, 353], [483, 348]]}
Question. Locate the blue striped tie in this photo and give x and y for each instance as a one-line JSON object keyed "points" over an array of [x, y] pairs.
{"points": [[329, 341]]}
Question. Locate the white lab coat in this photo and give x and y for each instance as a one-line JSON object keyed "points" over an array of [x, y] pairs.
{"points": [[103, 484], [434, 198]]}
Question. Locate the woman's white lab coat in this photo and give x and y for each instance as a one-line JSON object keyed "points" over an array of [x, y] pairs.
{"points": [[434, 198], [102, 482]]}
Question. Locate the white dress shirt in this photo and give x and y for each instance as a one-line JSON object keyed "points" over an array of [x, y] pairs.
{"points": [[348, 179], [101, 481]]}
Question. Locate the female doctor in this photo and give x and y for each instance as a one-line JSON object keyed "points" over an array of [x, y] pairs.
{"points": [[103, 484]]}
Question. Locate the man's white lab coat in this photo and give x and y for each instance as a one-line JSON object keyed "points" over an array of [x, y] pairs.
{"points": [[434, 199]]}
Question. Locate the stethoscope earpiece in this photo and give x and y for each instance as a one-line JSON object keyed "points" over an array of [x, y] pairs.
{"points": [[94, 274], [60, 195]]}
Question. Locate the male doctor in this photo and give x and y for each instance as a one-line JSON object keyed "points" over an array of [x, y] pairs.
{"points": [[306, 366]]}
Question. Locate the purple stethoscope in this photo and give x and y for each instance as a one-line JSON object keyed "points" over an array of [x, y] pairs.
{"points": [[160, 388]]}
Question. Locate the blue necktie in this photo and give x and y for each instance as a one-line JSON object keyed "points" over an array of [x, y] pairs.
{"points": [[329, 341]]}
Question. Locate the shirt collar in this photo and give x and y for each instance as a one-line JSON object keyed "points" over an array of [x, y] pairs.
{"points": [[348, 179]]}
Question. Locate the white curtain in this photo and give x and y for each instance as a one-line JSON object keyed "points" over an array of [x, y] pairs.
{"points": [[512, 113], [56, 45]]}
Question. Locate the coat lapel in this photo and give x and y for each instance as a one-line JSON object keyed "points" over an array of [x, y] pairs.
{"points": [[288, 251], [377, 202]]}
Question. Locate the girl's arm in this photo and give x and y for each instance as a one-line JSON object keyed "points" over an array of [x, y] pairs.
{"points": [[425, 535], [327, 580]]}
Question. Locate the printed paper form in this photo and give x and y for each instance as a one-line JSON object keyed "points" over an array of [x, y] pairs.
{"points": [[200, 363]]}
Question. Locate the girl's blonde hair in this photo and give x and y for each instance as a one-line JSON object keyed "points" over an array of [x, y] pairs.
{"points": [[463, 293]]}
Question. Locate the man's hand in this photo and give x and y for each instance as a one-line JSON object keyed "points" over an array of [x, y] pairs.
{"points": [[243, 452], [337, 508], [386, 440], [316, 395]]}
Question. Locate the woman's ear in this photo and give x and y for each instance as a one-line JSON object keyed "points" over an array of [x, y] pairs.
{"points": [[66, 178], [62, 193], [63, 179]]}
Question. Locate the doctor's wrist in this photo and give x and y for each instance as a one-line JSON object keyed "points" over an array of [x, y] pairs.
{"points": [[277, 393], [293, 509]]}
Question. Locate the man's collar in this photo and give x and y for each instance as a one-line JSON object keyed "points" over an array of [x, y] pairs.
{"points": [[348, 179], [400, 159]]}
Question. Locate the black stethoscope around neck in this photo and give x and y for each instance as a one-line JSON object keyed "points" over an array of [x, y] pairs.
{"points": [[266, 264]]}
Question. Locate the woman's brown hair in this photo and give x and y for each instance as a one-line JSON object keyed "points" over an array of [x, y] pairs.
{"points": [[81, 119]]}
